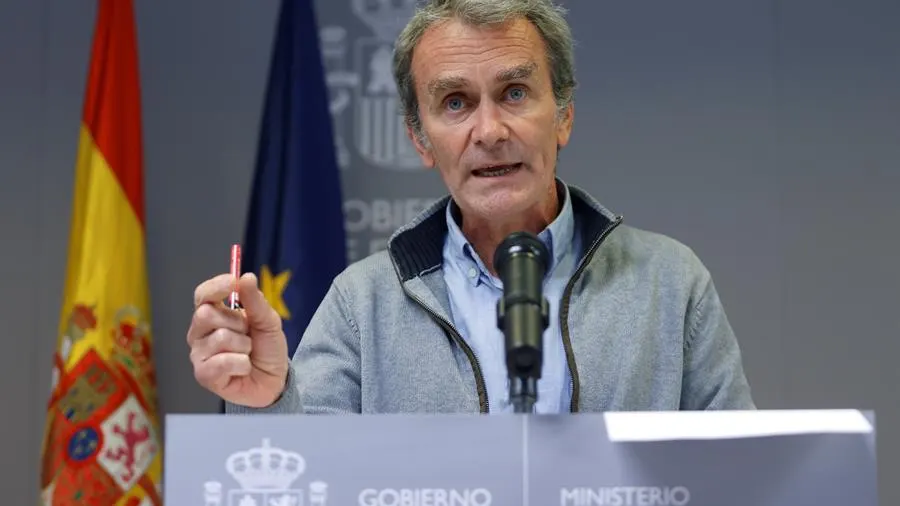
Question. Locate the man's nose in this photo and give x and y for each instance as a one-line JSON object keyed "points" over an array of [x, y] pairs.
{"points": [[490, 128]]}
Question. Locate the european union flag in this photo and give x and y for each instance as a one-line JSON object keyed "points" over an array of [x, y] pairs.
{"points": [[294, 237]]}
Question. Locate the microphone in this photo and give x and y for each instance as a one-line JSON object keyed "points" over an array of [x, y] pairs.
{"points": [[521, 262]]}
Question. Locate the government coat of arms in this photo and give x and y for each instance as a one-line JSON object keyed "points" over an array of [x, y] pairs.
{"points": [[265, 476], [366, 83]]}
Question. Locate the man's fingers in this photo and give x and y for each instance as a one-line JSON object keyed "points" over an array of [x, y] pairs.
{"points": [[260, 314], [208, 318], [213, 290], [216, 372], [218, 342]]}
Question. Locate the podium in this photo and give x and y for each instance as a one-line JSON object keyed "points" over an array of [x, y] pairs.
{"points": [[722, 458]]}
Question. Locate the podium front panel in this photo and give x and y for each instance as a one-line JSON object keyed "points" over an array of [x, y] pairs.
{"points": [[573, 462], [617, 459], [283, 460]]}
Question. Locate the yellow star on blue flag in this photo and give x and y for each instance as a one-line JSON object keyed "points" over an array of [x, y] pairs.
{"points": [[273, 287]]}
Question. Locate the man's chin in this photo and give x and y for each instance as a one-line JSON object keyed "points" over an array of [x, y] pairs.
{"points": [[502, 206]]}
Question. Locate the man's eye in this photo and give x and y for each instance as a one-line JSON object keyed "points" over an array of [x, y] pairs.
{"points": [[454, 104], [517, 94]]}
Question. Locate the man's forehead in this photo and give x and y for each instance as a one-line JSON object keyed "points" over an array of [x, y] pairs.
{"points": [[457, 39]]}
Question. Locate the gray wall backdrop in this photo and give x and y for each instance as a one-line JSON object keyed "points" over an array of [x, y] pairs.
{"points": [[764, 134]]}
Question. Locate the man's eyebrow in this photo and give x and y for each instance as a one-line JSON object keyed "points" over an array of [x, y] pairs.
{"points": [[446, 83], [521, 71], [451, 82]]}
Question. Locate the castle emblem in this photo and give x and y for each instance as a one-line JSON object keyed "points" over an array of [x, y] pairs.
{"points": [[379, 134], [265, 477]]}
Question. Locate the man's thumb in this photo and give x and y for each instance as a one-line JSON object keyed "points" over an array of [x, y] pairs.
{"points": [[259, 313]]}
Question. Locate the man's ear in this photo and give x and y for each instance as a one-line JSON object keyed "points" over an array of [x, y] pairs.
{"points": [[424, 151], [564, 125]]}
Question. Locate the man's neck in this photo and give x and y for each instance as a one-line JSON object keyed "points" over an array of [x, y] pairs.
{"points": [[485, 235]]}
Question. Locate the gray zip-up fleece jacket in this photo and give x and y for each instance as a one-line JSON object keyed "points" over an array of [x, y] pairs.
{"points": [[642, 325]]}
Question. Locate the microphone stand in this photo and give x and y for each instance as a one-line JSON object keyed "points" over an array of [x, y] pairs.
{"points": [[522, 314]]}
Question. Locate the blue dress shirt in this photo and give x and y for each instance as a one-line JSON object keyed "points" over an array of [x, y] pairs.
{"points": [[473, 300]]}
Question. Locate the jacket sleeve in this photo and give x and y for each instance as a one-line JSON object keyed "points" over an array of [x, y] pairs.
{"points": [[324, 377], [714, 376]]}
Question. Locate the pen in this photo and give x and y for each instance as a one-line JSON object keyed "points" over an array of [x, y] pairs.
{"points": [[234, 301]]}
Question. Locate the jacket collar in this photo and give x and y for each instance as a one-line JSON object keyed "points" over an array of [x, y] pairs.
{"points": [[417, 248]]}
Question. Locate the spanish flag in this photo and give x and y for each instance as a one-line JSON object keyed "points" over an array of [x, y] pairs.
{"points": [[102, 441]]}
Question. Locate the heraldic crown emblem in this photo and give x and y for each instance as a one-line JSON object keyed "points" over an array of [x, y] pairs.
{"points": [[266, 467]]}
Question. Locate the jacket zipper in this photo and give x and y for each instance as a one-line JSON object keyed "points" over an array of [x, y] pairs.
{"points": [[484, 405], [574, 383]]}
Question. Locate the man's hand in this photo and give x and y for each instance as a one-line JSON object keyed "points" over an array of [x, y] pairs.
{"points": [[239, 355]]}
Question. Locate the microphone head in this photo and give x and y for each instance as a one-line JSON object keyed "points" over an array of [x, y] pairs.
{"points": [[521, 244]]}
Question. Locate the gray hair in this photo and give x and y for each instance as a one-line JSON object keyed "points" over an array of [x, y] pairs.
{"points": [[547, 18]]}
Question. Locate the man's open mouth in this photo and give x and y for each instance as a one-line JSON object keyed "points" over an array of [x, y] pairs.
{"points": [[497, 170]]}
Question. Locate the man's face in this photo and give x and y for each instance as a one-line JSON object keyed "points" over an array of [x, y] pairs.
{"points": [[489, 116]]}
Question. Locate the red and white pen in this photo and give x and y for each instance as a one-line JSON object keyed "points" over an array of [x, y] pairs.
{"points": [[234, 300]]}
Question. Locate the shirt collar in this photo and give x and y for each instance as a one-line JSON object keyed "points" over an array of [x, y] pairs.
{"points": [[557, 237]]}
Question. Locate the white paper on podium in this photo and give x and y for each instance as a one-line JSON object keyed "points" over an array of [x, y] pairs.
{"points": [[676, 425]]}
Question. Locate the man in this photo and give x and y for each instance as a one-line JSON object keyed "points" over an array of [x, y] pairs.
{"points": [[636, 323]]}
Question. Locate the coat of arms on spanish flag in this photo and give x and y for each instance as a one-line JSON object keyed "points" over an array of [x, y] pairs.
{"points": [[102, 442]]}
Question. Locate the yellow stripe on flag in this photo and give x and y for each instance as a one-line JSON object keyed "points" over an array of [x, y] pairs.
{"points": [[102, 443], [106, 267]]}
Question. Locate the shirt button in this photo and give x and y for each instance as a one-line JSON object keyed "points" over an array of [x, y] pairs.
{"points": [[473, 273]]}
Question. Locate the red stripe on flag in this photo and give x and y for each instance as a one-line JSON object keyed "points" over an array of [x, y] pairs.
{"points": [[112, 108]]}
